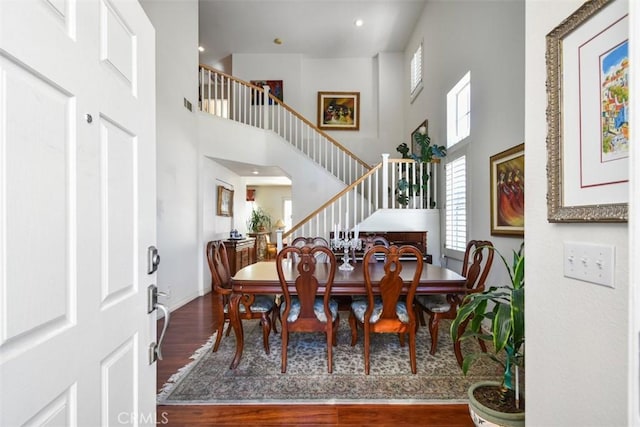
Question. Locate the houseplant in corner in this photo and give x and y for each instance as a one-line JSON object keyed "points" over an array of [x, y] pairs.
{"points": [[428, 153], [499, 309]]}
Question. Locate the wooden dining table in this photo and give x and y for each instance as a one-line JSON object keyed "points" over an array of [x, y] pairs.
{"points": [[262, 278]]}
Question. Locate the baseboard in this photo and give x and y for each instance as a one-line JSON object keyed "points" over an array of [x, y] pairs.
{"points": [[176, 305]]}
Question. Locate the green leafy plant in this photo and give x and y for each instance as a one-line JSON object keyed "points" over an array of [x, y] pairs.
{"points": [[505, 318], [259, 220], [406, 187]]}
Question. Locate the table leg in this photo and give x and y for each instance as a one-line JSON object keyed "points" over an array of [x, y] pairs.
{"points": [[236, 323]]}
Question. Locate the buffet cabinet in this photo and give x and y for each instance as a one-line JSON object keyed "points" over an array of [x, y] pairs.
{"points": [[240, 253], [398, 238]]}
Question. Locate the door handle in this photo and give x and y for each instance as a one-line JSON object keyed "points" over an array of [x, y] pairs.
{"points": [[155, 350]]}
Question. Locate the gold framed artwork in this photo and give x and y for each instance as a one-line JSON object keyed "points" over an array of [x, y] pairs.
{"points": [[587, 115], [225, 201], [339, 110], [507, 192]]}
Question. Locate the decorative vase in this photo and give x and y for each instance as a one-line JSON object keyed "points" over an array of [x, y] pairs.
{"points": [[487, 417]]}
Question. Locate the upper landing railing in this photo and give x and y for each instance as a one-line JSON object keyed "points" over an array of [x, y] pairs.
{"points": [[392, 184], [231, 98]]}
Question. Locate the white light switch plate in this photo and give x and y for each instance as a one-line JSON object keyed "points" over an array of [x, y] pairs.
{"points": [[589, 262]]}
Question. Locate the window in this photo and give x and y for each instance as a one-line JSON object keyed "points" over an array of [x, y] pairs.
{"points": [[456, 204], [459, 111], [416, 72]]}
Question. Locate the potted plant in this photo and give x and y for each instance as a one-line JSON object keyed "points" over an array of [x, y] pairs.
{"points": [[259, 220], [406, 187], [501, 310]]}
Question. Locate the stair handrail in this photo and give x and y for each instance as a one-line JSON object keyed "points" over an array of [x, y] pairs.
{"points": [[267, 121], [333, 200], [377, 189]]}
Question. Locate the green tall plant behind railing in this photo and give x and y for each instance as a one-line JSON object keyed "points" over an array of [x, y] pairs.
{"points": [[412, 183]]}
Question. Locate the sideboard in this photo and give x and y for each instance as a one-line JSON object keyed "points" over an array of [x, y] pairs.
{"points": [[240, 253], [399, 238]]}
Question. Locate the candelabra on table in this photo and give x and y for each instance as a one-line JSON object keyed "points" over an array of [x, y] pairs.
{"points": [[346, 244]]}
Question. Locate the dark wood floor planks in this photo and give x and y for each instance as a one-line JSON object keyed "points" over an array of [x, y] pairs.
{"points": [[191, 326]]}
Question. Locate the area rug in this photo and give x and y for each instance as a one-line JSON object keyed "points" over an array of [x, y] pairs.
{"points": [[208, 379]]}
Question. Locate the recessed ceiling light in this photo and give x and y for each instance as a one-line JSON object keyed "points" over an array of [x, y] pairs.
{"points": [[358, 22], [255, 172], [277, 40], [201, 49]]}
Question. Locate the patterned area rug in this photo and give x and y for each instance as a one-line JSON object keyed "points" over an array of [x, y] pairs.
{"points": [[208, 379]]}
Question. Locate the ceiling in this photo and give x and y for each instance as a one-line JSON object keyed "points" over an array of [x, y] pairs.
{"points": [[313, 28], [266, 175]]}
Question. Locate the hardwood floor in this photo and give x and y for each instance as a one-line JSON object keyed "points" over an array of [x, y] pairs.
{"points": [[191, 326]]}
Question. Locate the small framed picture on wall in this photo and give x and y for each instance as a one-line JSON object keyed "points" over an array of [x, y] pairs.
{"points": [[225, 201]]}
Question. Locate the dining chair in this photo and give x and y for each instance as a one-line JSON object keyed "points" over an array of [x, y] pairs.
{"points": [[312, 241], [368, 242], [251, 306], [311, 309], [392, 310], [478, 258]]}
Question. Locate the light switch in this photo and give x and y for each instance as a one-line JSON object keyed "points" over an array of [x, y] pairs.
{"points": [[589, 262]]}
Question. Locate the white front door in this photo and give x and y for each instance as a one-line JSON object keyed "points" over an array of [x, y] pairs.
{"points": [[77, 212]]}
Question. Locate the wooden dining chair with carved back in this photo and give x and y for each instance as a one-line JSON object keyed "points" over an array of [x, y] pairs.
{"points": [[312, 241], [368, 242], [261, 307], [392, 310], [309, 310], [478, 258]]}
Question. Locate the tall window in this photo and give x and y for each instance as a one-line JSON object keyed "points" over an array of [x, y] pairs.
{"points": [[416, 72], [459, 111], [456, 204]]}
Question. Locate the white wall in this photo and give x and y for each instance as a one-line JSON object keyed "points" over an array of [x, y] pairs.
{"points": [[287, 68], [216, 227], [379, 81], [176, 24], [486, 38], [576, 332], [311, 185]]}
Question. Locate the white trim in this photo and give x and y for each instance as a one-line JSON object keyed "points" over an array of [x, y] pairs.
{"points": [[634, 229]]}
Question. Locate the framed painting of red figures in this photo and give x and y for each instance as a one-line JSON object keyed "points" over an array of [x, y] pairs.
{"points": [[507, 192], [339, 110]]}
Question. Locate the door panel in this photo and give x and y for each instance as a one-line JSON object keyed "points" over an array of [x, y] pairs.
{"points": [[77, 212], [35, 210]]}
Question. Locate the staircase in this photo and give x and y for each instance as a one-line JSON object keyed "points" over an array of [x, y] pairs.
{"points": [[391, 184]]}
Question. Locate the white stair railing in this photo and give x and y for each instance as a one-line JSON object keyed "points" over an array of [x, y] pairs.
{"points": [[377, 189], [228, 97], [392, 184]]}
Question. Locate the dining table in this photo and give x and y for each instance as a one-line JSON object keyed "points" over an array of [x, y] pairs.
{"points": [[262, 278]]}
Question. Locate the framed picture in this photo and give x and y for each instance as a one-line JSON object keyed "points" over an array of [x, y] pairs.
{"points": [[587, 115], [507, 192], [275, 88], [225, 201], [339, 110], [415, 148]]}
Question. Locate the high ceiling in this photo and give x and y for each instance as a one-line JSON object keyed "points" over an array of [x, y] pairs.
{"points": [[314, 28]]}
